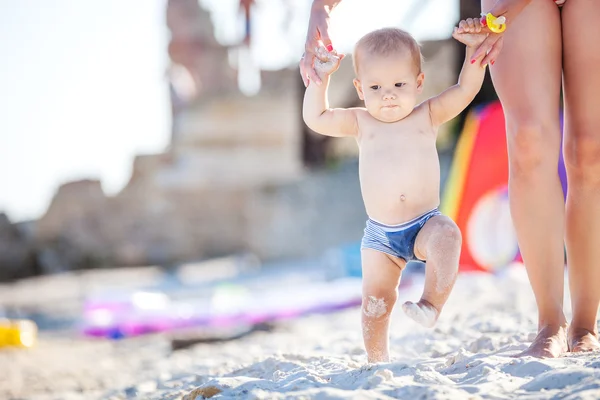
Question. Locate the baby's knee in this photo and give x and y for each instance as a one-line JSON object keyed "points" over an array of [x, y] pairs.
{"points": [[446, 233], [378, 303]]}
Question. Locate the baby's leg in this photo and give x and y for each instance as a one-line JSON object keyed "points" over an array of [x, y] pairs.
{"points": [[381, 276], [439, 243]]}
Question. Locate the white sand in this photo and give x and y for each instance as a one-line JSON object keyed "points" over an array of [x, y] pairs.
{"points": [[467, 355]]}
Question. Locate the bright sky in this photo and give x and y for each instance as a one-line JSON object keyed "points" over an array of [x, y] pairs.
{"points": [[83, 89]]}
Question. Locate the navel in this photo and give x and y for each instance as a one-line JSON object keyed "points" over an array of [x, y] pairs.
{"points": [[402, 197]]}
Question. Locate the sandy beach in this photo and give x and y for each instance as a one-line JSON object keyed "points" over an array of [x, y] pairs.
{"points": [[467, 355]]}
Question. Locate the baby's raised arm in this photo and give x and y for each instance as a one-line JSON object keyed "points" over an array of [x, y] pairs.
{"points": [[455, 99], [316, 112]]}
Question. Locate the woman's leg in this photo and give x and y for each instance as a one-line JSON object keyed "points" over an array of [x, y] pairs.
{"points": [[527, 78], [381, 277], [582, 158]]}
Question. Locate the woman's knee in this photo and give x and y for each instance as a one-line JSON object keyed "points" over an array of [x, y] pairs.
{"points": [[582, 154], [533, 146]]}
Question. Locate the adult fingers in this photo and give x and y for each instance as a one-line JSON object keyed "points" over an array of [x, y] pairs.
{"points": [[494, 52], [486, 46]]}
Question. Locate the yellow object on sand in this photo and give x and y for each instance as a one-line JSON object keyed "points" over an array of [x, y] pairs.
{"points": [[19, 333]]}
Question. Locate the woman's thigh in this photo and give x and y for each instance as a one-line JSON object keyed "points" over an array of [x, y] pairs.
{"points": [[581, 55], [527, 73]]}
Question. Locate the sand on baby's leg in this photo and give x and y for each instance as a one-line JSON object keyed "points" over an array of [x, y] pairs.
{"points": [[439, 243], [381, 276]]}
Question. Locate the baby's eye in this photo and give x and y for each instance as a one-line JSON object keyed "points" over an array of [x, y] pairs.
{"points": [[375, 87], [400, 84]]}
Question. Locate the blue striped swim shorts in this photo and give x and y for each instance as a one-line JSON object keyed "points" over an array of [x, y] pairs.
{"points": [[396, 240]]}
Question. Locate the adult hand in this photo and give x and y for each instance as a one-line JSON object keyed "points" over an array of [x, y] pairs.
{"points": [[317, 41], [490, 48]]}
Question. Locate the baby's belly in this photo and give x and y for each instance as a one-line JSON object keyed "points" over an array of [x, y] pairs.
{"points": [[393, 195]]}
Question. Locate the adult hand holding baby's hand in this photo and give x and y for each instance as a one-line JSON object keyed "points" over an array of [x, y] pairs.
{"points": [[317, 42], [473, 34], [327, 62], [490, 48], [470, 32]]}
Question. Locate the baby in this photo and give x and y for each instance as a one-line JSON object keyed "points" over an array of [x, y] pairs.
{"points": [[399, 169]]}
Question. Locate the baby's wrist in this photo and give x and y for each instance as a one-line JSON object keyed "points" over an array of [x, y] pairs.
{"points": [[323, 76]]}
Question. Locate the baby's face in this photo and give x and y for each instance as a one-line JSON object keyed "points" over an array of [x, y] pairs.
{"points": [[389, 85]]}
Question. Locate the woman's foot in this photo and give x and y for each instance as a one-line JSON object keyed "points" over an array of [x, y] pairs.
{"points": [[582, 340], [550, 342]]}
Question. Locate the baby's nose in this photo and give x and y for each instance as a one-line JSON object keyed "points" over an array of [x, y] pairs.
{"points": [[389, 96]]}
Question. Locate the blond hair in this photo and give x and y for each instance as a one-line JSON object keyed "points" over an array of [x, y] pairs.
{"points": [[388, 41]]}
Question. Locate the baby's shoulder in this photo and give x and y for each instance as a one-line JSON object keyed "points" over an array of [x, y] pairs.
{"points": [[422, 113], [361, 112], [363, 118], [423, 107]]}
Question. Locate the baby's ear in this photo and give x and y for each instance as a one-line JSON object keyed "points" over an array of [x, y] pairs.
{"points": [[358, 87], [420, 82]]}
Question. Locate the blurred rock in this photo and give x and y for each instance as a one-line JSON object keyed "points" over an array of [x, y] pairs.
{"points": [[194, 48], [17, 254]]}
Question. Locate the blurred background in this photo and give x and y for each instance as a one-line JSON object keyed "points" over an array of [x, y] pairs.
{"points": [[156, 177], [158, 132], [154, 150]]}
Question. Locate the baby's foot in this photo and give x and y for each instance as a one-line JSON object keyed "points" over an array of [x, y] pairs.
{"points": [[550, 342], [422, 312], [582, 340]]}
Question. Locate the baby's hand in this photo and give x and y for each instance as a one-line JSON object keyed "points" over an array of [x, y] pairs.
{"points": [[470, 32], [327, 62]]}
